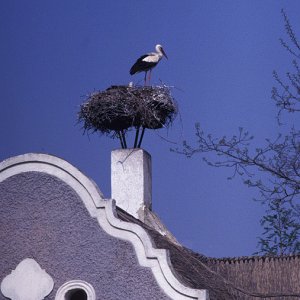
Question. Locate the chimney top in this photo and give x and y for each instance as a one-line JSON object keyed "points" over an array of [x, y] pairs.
{"points": [[131, 181]]}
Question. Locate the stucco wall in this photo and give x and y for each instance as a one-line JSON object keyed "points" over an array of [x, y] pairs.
{"points": [[43, 218]]}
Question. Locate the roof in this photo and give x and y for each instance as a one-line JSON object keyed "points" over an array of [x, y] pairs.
{"points": [[255, 277]]}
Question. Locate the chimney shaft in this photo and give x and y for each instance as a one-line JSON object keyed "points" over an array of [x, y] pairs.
{"points": [[131, 181]]}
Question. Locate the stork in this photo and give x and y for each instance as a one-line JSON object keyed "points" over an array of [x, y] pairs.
{"points": [[148, 61]]}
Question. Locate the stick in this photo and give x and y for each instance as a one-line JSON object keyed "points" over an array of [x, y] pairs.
{"points": [[124, 139], [141, 138], [120, 138], [136, 137]]}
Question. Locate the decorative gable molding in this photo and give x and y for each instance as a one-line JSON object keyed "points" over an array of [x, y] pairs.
{"points": [[27, 282], [148, 256], [105, 212]]}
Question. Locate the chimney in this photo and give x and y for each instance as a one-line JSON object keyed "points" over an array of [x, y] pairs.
{"points": [[131, 181]]}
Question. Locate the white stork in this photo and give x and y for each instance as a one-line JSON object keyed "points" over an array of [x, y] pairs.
{"points": [[148, 61]]}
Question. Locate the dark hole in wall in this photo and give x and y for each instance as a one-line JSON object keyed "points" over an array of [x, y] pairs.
{"points": [[76, 294]]}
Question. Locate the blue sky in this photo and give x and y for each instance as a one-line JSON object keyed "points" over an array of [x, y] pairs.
{"points": [[221, 58]]}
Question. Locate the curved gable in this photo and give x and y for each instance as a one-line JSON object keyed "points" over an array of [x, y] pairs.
{"points": [[30, 166]]}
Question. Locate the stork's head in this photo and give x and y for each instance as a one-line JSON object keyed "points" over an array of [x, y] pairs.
{"points": [[160, 50]]}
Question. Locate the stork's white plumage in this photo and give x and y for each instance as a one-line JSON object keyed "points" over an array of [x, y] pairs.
{"points": [[148, 61]]}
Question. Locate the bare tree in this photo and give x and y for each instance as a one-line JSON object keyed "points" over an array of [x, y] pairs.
{"points": [[273, 169], [287, 93]]}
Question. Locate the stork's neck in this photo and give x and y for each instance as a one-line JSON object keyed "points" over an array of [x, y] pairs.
{"points": [[160, 54]]}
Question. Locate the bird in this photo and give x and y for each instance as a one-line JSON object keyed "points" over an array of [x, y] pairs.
{"points": [[148, 61]]}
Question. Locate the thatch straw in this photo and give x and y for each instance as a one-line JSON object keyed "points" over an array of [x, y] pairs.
{"points": [[245, 278], [119, 108]]}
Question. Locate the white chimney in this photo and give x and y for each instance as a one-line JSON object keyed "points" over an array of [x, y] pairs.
{"points": [[131, 181]]}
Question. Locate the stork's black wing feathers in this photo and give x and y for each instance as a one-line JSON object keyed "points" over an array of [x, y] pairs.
{"points": [[142, 66]]}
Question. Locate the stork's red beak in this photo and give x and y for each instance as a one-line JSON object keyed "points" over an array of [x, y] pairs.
{"points": [[164, 53]]}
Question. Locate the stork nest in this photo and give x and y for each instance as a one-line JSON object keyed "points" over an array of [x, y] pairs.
{"points": [[119, 108]]}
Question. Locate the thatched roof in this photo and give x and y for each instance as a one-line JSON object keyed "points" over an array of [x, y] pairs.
{"points": [[276, 276], [255, 277]]}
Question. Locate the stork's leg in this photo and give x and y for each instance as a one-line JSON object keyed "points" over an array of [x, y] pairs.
{"points": [[145, 79]]}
